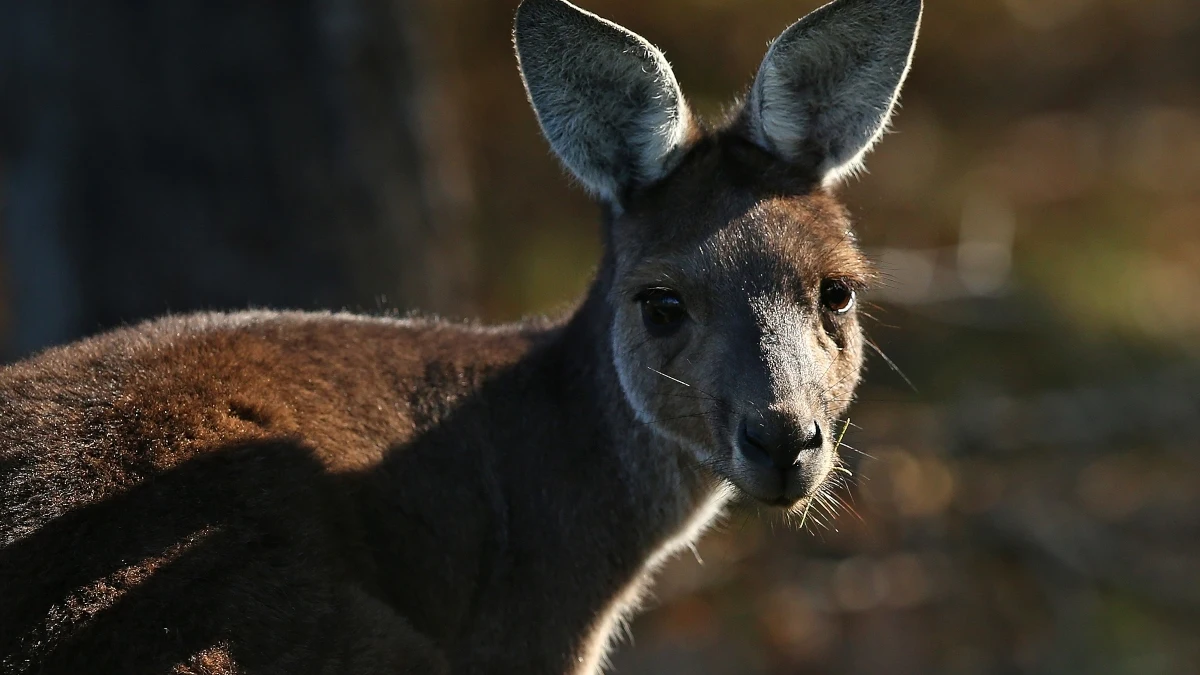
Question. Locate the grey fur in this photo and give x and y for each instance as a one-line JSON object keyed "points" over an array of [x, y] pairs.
{"points": [[826, 89], [606, 98]]}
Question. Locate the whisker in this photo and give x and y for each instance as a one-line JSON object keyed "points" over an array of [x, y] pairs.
{"points": [[831, 505], [679, 381], [691, 398], [681, 417], [878, 321], [893, 366], [840, 442], [833, 386], [851, 509], [673, 379], [854, 449]]}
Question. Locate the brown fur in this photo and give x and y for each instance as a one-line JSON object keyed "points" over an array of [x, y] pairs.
{"points": [[325, 493]]}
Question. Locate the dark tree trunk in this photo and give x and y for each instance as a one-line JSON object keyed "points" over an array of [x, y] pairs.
{"points": [[192, 154]]}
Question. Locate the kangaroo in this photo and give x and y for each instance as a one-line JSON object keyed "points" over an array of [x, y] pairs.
{"points": [[304, 493]]}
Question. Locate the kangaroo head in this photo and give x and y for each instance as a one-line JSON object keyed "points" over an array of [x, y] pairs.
{"points": [[732, 274]]}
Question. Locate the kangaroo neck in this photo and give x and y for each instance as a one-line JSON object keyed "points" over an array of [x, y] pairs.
{"points": [[591, 509], [584, 363]]}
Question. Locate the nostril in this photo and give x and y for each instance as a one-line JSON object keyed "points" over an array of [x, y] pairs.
{"points": [[755, 435], [753, 444], [776, 442], [812, 439]]}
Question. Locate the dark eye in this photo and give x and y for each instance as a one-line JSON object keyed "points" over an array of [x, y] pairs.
{"points": [[663, 310], [837, 296]]}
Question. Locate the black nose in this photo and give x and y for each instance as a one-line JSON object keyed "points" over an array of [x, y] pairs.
{"points": [[771, 440]]}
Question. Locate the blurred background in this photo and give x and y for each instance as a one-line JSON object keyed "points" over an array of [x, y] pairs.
{"points": [[1031, 504]]}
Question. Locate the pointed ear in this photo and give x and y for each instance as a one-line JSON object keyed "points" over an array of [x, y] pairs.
{"points": [[606, 99], [827, 87]]}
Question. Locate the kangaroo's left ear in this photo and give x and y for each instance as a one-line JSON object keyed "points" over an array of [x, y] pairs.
{"points": [[828, 85]]}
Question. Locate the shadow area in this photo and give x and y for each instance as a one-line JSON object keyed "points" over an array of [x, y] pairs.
{"points": [[228, 552]]}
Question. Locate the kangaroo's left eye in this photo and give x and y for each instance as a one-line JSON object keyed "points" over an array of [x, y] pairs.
{"points": [[837, 296]]}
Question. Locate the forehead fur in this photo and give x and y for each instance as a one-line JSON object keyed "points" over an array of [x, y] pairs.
{"points": [[730, 207]]}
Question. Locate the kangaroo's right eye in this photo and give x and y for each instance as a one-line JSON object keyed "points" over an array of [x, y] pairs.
{"points": [[663, 311]]}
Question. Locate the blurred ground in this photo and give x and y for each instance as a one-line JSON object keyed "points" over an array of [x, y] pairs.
{"points": [[1034, 505]]}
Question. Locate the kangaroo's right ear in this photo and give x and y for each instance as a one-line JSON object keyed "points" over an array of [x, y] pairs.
{"points": [[606, 98]]}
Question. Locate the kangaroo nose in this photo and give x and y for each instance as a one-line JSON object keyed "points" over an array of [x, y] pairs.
{"points": [[770, 440]]}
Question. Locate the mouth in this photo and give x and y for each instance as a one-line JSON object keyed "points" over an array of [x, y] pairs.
{"points": [[769, 487], [780, 488]]}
